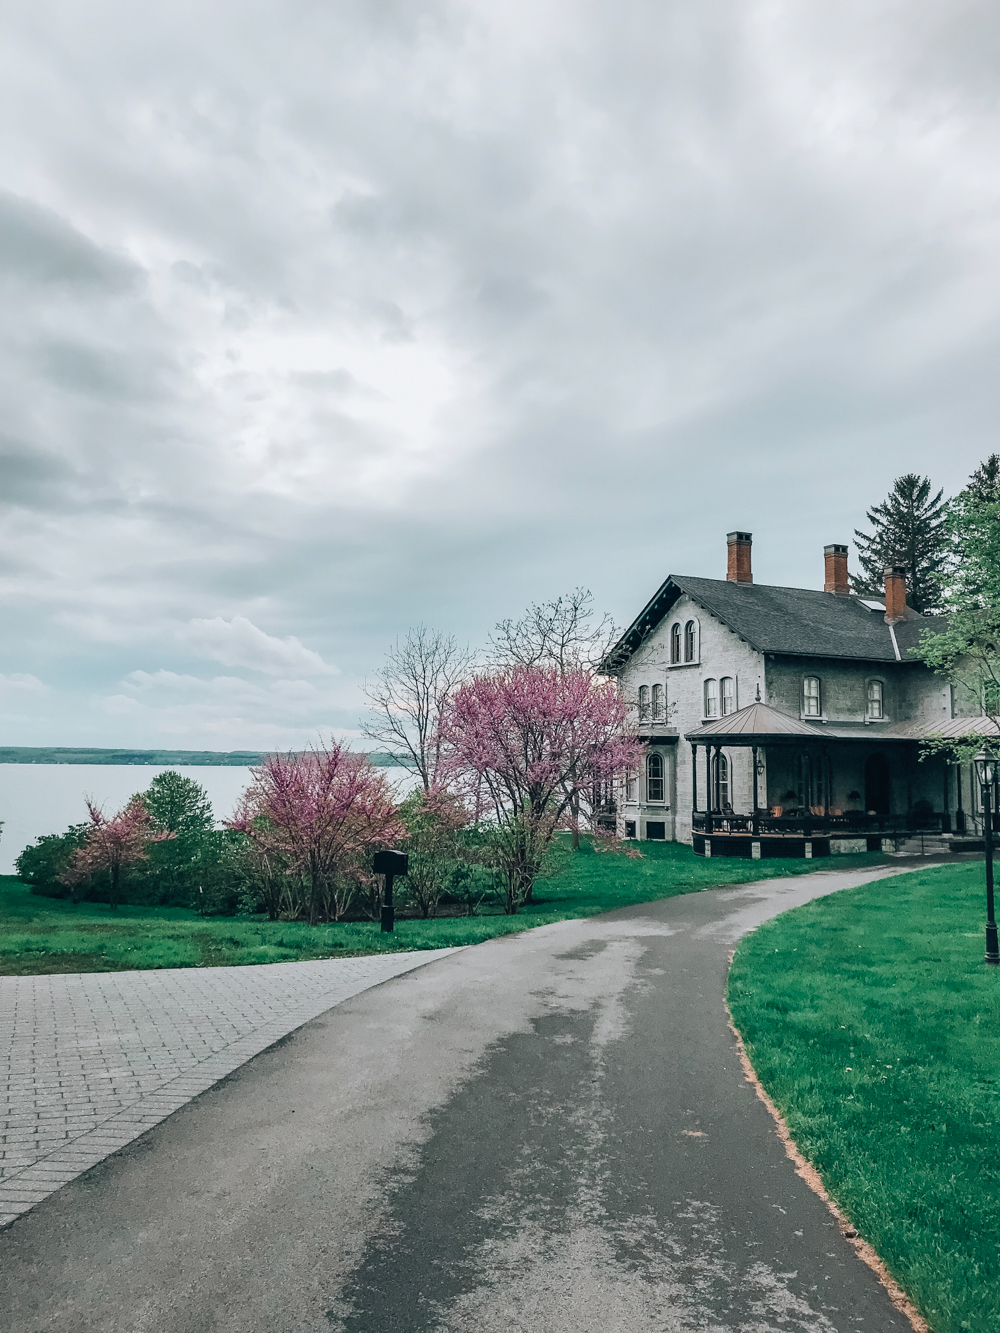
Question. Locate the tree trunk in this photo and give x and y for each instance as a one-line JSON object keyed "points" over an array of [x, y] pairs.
{"points": [[115, 873], [574, 807]]}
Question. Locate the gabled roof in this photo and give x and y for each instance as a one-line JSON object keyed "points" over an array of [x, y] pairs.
{"points": [[756, 720], [799, 622]]}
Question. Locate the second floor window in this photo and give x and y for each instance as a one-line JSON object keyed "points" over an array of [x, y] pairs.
{"points": [[689, 641], [811, 701], [657, 703], [675, 642], [654, 777], [728, 695], [711, 698], [643, 702], [875, 700]]}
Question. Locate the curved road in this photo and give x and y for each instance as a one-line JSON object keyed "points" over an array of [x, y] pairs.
{"points": [[549, 1133]]}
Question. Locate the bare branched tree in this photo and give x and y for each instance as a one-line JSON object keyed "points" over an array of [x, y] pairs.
{"points": [[561, 633], [408, 693]]}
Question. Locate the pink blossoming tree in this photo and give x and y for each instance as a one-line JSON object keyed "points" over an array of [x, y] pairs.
{"points": [[533, 740], [113, 844], [319, 814]]}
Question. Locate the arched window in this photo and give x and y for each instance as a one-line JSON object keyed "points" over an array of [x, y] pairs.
{"points": [[690, 634], [643, 702], [720, 782], [654, 777], [728, 692], [711, 698], [657, 703], [874, 709], [675, 642], [811, 700]]}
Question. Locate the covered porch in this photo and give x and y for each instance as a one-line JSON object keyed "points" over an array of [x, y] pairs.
{"points": [[812, 789]]}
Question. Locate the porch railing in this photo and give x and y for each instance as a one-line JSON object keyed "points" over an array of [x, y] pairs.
{"points": [[852, 823]]}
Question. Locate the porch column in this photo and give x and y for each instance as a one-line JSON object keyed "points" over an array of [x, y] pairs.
{"points": [[828, 783], [945, 795], [694, 782], [755, 817], [709, 794], [959, 812]]}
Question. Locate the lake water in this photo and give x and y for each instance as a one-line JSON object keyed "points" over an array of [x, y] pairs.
{"points": [[47, 798]]}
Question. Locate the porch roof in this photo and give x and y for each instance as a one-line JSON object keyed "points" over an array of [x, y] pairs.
{"points": [[760, 724]]}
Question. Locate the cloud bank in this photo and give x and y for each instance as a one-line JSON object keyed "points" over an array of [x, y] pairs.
{"points": [[320, 321]]}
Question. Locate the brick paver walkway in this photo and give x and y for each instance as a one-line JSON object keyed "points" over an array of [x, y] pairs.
{"points": [[93, 1060]]}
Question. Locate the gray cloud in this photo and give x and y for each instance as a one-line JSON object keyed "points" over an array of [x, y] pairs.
{"points": [[331, 319]]}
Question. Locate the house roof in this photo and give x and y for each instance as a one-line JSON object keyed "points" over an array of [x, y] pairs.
{"points": [[793, 621]]}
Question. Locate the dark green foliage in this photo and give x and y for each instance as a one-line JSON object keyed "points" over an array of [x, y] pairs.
{"points": [[875, 1027], [909, 528], [42, 935], [984, 484], [967, 651], [43, 863]]}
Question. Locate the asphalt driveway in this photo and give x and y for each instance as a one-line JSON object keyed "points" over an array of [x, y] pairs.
{"points": [[549, 1133]]}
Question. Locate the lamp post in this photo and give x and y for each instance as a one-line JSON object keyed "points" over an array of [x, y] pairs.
{"points": [[986, 771]]}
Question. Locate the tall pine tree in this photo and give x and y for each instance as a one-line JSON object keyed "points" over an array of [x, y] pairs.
{"points": [[910, 527], [984, 484]]}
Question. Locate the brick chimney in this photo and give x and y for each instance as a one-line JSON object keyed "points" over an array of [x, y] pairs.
{"points": [[836, 570], [739, 557], [895, 595]]}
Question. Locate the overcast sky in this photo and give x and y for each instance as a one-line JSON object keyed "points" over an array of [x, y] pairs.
{"points": [[323, 319]]}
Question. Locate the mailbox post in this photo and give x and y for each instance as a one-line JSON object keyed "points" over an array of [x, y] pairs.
{"points": [[389, 864]]}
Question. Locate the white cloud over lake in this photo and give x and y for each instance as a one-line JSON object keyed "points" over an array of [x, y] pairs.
{"points": [[322, 320]]}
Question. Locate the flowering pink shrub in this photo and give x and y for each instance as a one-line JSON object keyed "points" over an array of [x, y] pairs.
{"points": [[113, 844], [318, 815]]}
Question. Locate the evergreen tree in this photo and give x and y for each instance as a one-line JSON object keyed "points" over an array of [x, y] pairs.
{"points": [[984, 484], [910, 528]]}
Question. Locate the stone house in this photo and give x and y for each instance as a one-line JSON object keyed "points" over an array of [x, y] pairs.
{"points": [[787, 721]]}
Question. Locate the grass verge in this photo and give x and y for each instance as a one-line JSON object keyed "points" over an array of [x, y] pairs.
{"points": [[875, 1028], [39, 935]]}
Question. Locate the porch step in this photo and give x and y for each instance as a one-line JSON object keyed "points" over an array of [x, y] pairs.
{"points": [[922, 844]]}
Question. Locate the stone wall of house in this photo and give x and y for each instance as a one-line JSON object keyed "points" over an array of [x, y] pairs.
{"points": [[719, 652]]}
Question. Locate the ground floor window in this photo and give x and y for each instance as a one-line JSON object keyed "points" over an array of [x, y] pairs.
{"points": [[654, 777], [630, 828], [656, 830], [720, 782]]}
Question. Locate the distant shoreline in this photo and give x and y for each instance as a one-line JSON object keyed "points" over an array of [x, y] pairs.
{"points": [[25, 754]]}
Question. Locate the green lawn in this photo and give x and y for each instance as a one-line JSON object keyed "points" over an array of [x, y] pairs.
{"points": [[40, 935], [875, 1027]]}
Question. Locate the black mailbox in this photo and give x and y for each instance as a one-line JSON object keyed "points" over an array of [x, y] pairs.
{"points": [[390, 863]]}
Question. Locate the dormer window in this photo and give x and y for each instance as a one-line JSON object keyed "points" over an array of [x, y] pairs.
{"points": [[811, 698], [874, 711], [690, 637], [675, 643], [643, 702], [728, 693], [711, 698], [657, 703]]}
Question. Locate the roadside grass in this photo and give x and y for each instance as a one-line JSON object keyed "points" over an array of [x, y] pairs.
{"points": [[41, 935], [874, 1025]]}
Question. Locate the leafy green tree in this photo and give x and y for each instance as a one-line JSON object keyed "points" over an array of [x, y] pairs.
{"points": [[967, 650], [44, 863], [911, 528], [186, 868], [433, 820]]}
